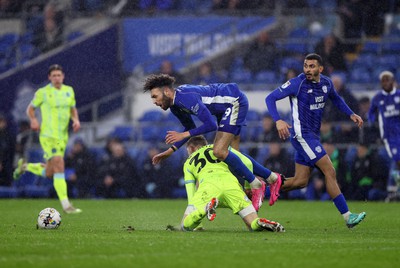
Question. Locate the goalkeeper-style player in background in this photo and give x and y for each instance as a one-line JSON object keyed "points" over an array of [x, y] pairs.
{"points": [[57, 105], [216, 186]]}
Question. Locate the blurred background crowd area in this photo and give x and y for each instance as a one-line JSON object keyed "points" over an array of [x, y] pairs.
{"points": [[108, 47]]}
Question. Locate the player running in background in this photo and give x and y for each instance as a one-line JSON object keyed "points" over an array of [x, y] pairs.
{"points": [[227, 103], [209, 183], [308, 93], [387, 104], [57, 106]]}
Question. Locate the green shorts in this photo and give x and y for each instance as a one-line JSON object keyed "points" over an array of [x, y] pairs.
{"points": [[228, 191], [52, 147]]}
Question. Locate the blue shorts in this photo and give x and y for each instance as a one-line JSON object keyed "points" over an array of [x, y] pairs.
{"points": [[235, 116], [308, 150], [393, 149]]}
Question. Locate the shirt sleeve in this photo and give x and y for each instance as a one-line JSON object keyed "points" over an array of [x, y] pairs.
{"points": [[339, 102], [287, 89], [37, 99], [73, 101], [186, 121], [190, 183], [209, 123]]}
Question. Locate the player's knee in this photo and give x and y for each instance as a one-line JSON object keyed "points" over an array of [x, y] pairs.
{"points": [[220, 153]]}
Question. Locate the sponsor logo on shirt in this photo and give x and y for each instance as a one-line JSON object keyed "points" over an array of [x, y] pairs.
{"points": [[309, 91], [318, 149], [286, 84]]}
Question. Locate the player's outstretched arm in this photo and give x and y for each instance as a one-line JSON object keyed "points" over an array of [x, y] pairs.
{"points": [[30, 112], [283, 129], [76, 124], [357, 119], [174, 136], [161, 156]]}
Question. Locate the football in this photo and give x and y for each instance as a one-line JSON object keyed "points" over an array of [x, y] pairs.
{"points": [[49, 218]]}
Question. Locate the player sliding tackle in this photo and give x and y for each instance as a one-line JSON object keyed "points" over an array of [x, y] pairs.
{"points": [[224, 101], [216, 186]]}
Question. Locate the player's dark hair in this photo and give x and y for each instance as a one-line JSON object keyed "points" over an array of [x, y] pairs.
{"points": [[315, 56], [55, 67], [158, 80], [197, 141]]}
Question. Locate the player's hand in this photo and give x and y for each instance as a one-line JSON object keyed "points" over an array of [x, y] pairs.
{"points": [[35, 126], [76, 125], [357, 119], [174, 136], [161, 156], [283, 129]]}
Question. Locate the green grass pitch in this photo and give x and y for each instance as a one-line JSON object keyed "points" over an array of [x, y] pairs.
{"points": [[316, 236]]}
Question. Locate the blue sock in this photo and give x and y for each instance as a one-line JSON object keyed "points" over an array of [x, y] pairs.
{"points": [[340, 203], [238, 168], [258, 169]]}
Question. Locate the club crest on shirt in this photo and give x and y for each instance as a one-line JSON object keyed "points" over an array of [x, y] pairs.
{"points": [[286, 84], [397, 99], [195, 108], [318, 149], [394, 151], [324, 89]]}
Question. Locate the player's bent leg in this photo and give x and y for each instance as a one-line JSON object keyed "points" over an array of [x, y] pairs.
{"points": [[355, 219], [211, 209], [275, 188], [257, 195], [261, 224], [300, 179], [254, 223], [193, 220], [20, 169]]}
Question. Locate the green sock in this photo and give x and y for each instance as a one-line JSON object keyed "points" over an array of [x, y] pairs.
{"points": [[255, 226], [36, 168], [60, 185]]}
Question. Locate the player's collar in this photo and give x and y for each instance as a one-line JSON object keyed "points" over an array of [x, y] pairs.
{"points": [[173, 99], [393, 91]]}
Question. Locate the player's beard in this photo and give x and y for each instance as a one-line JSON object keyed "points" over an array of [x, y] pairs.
{"points": [[165, 102], [314, 76]]}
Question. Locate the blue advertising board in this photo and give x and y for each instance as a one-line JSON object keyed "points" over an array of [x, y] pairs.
{"points": [[182, 40]]}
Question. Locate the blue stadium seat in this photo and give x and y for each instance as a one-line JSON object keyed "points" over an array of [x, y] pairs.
{"points": [[253, 116], [291, 63], [266, 77], [241, 75], [370, 46], [152, 133], [301, 32], [152, 116], [365, 60], [124, 133], [35, 155], [360, 75], [391, 47]]}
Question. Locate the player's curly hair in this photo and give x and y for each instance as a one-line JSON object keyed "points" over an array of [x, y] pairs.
{"points": [[158, 80]]}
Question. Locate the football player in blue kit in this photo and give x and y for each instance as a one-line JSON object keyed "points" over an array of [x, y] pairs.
{"points": [[386, 104], [308, 93], [224, 101]]}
